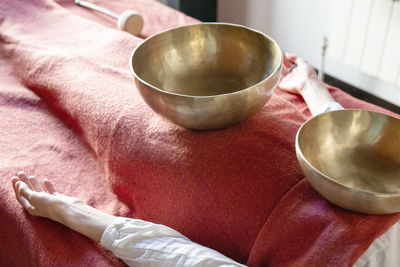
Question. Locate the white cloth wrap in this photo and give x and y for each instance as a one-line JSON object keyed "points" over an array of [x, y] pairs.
{"points": [[384, 251], [329, 106], [141, 243]]}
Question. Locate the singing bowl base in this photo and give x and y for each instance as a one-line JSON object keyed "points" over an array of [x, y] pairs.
{"points": [[352, 158]]}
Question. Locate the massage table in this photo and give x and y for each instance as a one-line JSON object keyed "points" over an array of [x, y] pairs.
{"points": [[70, 112]]}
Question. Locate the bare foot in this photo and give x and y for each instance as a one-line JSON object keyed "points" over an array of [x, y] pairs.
{"points": [[38, 202], [296, 72], [70, 211]]}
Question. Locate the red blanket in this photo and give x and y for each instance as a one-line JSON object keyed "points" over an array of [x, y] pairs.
{"points": [[70, 112]]}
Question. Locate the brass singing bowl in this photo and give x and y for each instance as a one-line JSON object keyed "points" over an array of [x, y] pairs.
{"points": [[207, 76], [352, 158]]}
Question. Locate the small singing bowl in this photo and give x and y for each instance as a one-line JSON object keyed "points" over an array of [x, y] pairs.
{"points": [[352, 158], [207, 76]]}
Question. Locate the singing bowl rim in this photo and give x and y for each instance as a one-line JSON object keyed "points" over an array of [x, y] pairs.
{"points": [[136, 76], [299, 152]]}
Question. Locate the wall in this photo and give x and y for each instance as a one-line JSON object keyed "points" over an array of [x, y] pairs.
{"points": [[299, 26]]}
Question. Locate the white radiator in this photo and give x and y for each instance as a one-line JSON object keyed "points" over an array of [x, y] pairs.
{"points": [[365, 34]]}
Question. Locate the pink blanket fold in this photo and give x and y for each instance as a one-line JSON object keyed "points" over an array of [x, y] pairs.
{"points": [[237, 190]]}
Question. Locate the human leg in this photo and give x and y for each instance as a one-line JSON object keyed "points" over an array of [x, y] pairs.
{"points": [[134, 241]]}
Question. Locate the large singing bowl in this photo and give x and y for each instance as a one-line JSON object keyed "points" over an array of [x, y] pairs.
{"points": [[207, 76], [352, 158]]}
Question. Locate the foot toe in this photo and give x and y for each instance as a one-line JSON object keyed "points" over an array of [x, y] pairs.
{"points": [[35, 184]]}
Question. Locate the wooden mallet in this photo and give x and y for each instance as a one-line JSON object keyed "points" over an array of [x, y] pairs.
{"points": [[129, 21]]}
